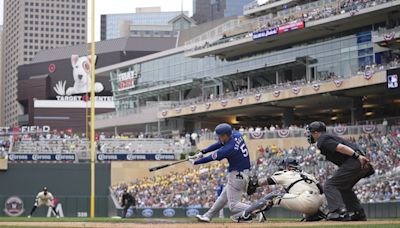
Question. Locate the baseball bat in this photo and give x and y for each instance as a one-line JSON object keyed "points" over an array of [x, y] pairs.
{"points": [[166, 165]]}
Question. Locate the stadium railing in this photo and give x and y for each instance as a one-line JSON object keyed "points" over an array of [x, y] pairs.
{"points": [[300, 83], [300, 132], [160, 105]]}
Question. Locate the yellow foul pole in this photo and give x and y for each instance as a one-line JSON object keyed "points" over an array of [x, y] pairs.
{"points": [[92, 136]]}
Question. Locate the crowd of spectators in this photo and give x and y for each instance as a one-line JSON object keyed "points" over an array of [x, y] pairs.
{"points": [[197, 187], [392, 62], [69, 142], [301, 12]]}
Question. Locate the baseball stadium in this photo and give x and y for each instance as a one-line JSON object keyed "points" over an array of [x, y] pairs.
{"points": [[287, 115]]}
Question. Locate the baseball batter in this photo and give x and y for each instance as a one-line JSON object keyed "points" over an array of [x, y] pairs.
{"points": [[303, 193], [44, 198], [232, 147]]}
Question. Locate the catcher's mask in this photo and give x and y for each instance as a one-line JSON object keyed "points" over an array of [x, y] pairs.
{"points": [[288, 163]]}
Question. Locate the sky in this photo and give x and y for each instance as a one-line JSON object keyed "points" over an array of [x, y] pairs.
{"points": [[126, 6]]}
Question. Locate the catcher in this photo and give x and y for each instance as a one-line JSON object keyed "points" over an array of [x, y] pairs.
{"points": [[303, 193]]}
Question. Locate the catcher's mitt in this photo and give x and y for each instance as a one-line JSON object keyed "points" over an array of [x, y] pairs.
{"points": [[253, 185]]}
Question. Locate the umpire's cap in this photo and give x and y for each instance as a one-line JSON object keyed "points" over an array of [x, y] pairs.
{"points": [[317, 126], [222, 129], [289, 161]]}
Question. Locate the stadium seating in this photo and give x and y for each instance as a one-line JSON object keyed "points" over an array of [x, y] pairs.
{"points": [[307, 12], [55, 143], [149, 145]]}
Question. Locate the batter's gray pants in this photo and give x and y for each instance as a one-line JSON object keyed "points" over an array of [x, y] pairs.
{"points": [[339, 188], [231, 195]]}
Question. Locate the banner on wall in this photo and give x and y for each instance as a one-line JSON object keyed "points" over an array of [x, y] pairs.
{"points": [[41, 157], [264, 33], [135, 157], [291, 26]]}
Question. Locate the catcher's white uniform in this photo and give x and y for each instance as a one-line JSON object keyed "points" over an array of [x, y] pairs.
{"points": [[303, 194], [42, 199]]}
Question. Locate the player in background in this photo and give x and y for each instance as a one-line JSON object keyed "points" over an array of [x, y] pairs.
{"points": [[343, 203], [127, 201], [232, 147], [303, 193], [44, 198]]}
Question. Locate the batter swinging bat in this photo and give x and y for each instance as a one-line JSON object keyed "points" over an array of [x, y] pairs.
{"points": [[166, 165]]}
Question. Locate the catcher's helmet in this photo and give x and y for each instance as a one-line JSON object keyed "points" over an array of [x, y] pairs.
{"points": [[223, 129], [289, 162]]}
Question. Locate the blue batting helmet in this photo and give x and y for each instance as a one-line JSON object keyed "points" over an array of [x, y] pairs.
{"points": [[223, 129]]}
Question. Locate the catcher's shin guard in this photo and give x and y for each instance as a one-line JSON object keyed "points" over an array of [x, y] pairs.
{"points": [[263, 204]]}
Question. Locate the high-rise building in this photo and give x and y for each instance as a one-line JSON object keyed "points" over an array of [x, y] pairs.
{"points": [[146, 22], [209, 10], [31, 26]]}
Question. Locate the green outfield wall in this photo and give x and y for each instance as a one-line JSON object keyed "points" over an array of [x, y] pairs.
{"points": [[69, 183]]}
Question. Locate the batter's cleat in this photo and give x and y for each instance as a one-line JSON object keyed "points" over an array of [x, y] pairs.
{"points": [[29, 216], [358, 216], [235, 218], [261, 217], [241, 218], [202, 218], [338, 215]]}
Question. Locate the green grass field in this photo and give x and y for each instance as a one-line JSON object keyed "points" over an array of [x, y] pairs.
{"points": [[184, 222]]}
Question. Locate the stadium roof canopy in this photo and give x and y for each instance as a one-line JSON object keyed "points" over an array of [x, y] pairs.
{"points": [[154, 44]]}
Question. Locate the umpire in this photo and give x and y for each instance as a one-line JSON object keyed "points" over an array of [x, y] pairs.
{"points": [[127, 201], [343, 203]]}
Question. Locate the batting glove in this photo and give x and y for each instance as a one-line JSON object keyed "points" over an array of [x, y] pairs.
{"points": [[195, 157]]}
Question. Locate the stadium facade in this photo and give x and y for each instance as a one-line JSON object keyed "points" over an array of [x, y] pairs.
{"points": [[49, 91], [276, 65]]}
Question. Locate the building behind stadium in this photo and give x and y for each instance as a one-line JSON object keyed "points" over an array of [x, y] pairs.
{"points": [[31, 26], [44, 83]]}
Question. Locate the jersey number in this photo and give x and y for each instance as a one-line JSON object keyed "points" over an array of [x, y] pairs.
{"points": [[244, 150]]}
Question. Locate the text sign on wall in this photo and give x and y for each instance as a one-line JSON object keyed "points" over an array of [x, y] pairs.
{"points": [[26, 129], [41, 157], [126, 80], [135, 157]]}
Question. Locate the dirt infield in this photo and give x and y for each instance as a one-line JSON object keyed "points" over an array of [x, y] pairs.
{"points": [[180, 224]]}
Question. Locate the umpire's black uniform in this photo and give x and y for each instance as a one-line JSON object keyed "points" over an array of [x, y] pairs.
{"points": [[127, 201], [343, 203]]}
